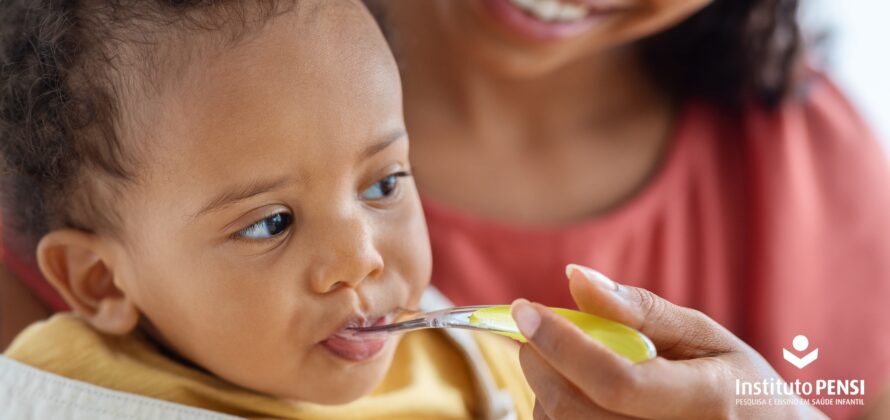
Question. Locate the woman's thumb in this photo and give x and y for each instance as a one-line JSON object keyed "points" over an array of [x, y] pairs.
{"points": [[677, 332]]}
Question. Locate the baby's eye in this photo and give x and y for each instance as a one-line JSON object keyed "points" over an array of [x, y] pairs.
{"points": [[383, 188], [269, 227]]}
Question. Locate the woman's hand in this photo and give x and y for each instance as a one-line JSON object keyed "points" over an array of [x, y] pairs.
{"points": [[575, 377]]}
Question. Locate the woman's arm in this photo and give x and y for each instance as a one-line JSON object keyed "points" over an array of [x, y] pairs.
{"points": [[18, 307]]}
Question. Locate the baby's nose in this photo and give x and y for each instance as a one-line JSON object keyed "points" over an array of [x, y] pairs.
{"points": [[347, 256]]}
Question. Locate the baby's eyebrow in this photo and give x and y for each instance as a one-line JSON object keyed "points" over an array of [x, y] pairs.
{"points": [[239, 193], [389, 139]]}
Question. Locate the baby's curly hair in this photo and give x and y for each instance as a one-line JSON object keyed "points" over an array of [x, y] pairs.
{"points": [[70, 73]]}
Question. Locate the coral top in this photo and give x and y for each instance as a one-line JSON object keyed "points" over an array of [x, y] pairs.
{"points": [[774, 224]]}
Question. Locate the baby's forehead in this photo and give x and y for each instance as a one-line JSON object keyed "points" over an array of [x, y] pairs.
{"points": [[151, 57], [308, 87], [319, 45], [327, 44]]}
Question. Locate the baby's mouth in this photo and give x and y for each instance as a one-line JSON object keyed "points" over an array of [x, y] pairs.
{"points": [[345, 344]]}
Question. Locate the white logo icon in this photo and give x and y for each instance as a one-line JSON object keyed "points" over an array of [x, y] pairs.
{"points": [[800, 343]]}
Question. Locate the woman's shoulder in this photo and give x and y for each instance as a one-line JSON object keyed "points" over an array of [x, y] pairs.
{"points": [[817, 124], [816, 146]]}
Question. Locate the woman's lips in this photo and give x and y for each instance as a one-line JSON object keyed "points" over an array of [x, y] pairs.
{"points": [[547, 20], [355, 347]]}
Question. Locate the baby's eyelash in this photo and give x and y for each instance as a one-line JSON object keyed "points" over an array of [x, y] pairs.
{"points": [[276, 225], [383, 188]]}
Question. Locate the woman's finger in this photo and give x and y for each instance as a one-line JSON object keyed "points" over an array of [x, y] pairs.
{"points": [[585, 363], [556, 397], [655, 388], [677, 332]]}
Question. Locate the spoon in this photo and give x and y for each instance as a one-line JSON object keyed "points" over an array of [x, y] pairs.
{"points": [[622, 339]]}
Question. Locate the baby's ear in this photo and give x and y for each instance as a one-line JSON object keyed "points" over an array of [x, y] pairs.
{"points": [[80, 268]]}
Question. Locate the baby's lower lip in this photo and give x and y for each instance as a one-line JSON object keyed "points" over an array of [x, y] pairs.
{"points": [[355, 348]]}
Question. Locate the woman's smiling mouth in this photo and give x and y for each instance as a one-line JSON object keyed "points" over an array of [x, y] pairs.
{"points": [[547, 20], [355, 347]]}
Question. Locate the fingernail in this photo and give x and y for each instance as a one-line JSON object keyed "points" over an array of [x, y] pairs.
{"points": [[595, 277], [526, 316]]}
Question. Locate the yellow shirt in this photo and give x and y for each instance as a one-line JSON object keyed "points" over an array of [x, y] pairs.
{"points": [[430, 376]]}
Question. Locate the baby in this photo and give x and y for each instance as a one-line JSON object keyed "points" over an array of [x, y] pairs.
{"points": [[218, 189]]}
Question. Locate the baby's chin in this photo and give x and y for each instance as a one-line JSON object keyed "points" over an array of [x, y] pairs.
{"points": [[343, 381]]}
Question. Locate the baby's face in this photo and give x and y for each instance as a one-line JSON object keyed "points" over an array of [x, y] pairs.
{"points": [[274, 211]]}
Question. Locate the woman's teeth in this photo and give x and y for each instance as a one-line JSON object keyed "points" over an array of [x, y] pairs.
{"points": [[552, 10]]}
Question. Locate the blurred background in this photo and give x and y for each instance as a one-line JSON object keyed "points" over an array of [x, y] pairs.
{"points": [[853, 37]]}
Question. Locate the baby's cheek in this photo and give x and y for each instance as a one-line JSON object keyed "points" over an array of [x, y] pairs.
{"points": [[252, 350], [410, 258], [419, 243], [212, 322]]}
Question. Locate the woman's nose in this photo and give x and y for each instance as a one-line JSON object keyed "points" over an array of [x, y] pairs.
{"points": [[346, 256]]}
